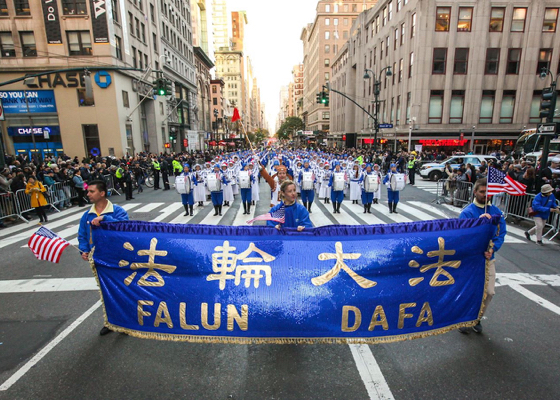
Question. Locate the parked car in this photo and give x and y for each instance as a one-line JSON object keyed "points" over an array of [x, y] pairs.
{"points": [[434, 170]]}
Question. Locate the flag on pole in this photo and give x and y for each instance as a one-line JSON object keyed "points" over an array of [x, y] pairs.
{"points": [[276, 216], [499, 182], [47, 245], [235, 115]]}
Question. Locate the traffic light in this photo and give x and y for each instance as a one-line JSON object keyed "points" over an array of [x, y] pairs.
{"points": [[171, 136], [325, 98], [162, 87], [319, 97], [166, 84], [548, 104]]}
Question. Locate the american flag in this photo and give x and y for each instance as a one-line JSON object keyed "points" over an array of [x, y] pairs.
{"points": [[499, 182], [276, 216], [47, 245]]}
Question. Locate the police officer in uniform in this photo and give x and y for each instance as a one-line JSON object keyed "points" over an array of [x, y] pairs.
{"points": [[165, 174], [156, 167], [411, 166]]}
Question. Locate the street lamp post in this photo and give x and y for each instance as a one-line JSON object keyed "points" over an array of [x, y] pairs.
{"points": [[376, 91]]}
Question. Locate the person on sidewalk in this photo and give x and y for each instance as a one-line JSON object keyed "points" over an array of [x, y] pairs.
{"points": [[479, 209], [543, 204], [101, 210], [36, 191]]}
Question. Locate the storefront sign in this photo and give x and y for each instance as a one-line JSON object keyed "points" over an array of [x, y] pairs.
{"points": [[142, 88], [52, 24], [38, 101], [443, 142], [68, 79], [99, 22], [103, 79], [44, 131]]}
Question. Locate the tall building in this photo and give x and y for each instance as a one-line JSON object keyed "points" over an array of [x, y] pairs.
{"points": [[119, 115], [464, 73], [220, 25], [322, 40]]}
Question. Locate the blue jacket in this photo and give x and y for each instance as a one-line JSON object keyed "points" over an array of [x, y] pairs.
{"points": [[473, 211], [296, 215], [543, 204], [87, 232]]}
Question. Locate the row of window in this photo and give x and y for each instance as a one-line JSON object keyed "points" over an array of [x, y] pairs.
{"points": [[497, 16], [385, 15], [335, 35], [398, 39], [69, 7], [346, 7], [492, 63], [79, 43]]}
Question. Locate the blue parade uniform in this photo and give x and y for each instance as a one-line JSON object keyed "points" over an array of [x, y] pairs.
{"points": [[392, 195], [367, 197], [295, 215], [218, 196], [475, 210], [337, 196], [188, 198], [247, 194], [307, 196]]}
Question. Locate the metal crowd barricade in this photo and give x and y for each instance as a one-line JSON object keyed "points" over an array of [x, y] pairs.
{"points": [[457, 193], [517, 208], [61, 194], [110, 181], [8, 206], [23, 203]]}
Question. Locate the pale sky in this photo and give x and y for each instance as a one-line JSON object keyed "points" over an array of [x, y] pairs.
{"points": [[272, 42]]}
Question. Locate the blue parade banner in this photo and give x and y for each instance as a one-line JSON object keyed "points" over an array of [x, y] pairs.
{"points": [[334, 284]]}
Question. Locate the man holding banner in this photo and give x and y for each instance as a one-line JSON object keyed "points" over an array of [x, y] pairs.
{"points": [[101, 210], [480, 208]]}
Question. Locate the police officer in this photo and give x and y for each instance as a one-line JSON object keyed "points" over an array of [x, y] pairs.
{"points": [[177, 169], [156, 167], [411, 166], [165, 174]]}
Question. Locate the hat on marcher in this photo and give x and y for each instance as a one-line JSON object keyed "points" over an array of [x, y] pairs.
{"points": [[546, 189], [556, 160]]}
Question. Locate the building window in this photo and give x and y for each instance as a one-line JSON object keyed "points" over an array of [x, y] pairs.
{"points": [[327, 8], [152, 13], [461, 61], [410, 64], [327, 35], [436, 107], [327, 21], [7, 47], [398, 120], [345, 21], [381, 51], [442, 19], [22, 7], [497, 19], [440, 59], [492, 61], [514, 60], [545, 55], [384, 16], [487, 106], [408, 99], [74, 7], [396, 39], [327, 76], [137, 28], [403, 30], [374, 55], [392, 113], [118, 47], [550, 19], [335, 21], [134, 62], [91, 137], [114, 10], [390, 10], [28, 47], [401, 67], [534, 116], [508, 104], [326, 115], [154, 40], [125, 102], [456, 108], [377, 18], [464, 22], [131, 24], [140, 60], [518, 19], [327, 62], [79, 43], [327, 49], [3, 8], [143, 30], [394, 72], [387, 40], [399, 5], [83, 100], [413, 25]]}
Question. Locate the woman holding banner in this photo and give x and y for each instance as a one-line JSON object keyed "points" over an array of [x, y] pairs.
{"points": [[294, 214]]}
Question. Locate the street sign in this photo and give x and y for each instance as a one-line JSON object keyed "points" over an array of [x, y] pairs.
{"points": [[547, 129], [385, 126]]}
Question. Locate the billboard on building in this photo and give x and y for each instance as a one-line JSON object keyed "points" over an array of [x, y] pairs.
{"points": [[38, 101], [52, 22], [99, 21]]}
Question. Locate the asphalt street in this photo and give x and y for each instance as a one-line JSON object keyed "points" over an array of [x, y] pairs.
{"points": [[50, 317]]}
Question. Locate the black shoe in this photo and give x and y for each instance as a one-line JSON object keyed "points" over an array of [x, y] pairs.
{"points": [[464, 330], [215, 211], [527, 235], [477, 328], [104, 331], [539, 242]]}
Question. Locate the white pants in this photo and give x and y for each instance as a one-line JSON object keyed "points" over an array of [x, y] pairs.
{"points": [[538, 228]]}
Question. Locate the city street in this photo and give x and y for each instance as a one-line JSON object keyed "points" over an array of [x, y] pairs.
{"points": [[51, 316]]}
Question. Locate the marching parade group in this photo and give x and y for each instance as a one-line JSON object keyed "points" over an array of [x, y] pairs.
{"points": [[327, 177]]}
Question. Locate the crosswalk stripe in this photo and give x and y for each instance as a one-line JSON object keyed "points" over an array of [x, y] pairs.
{"points": [[415, 212], [432, 209], [167, 211], [241, 219], [13, 229], [148, 207]]}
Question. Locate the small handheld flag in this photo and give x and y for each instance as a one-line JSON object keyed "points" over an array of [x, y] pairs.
{"points": [[499, 182], [276, 216], [235, 116], [47, 245]]}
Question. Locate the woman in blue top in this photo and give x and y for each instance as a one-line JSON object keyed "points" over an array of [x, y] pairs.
{"points": [[543, 204], [296, 215]]}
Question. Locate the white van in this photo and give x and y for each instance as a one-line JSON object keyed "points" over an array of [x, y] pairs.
{"points": [[434, 171]]}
